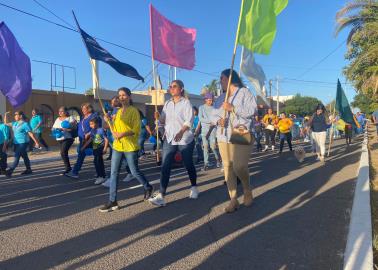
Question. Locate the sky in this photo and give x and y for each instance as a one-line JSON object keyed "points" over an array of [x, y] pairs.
{"points": [[305, 36]]}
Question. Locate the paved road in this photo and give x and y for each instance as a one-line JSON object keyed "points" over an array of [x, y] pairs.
{"points": [[299, 219]]}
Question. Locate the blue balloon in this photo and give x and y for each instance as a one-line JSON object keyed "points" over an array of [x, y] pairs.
{"points": [[56, 133], [65, 124], [152, 140]]}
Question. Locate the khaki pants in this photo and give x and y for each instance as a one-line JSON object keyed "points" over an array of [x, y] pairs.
{"points": [[235, 161], [320, 140]]}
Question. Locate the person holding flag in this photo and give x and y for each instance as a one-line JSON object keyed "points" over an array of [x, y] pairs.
{"points": [[125, 129], [240, 108]]}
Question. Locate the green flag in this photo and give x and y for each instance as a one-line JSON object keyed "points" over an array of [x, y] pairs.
{"points": [[257, 24], [342, 105]]}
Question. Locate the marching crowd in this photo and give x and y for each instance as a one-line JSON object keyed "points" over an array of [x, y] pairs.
{"points": [[228, 126]]}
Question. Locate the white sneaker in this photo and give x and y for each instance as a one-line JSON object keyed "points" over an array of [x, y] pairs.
{"points": [[128, 178], [266, 148], [193, 193], [272, 147], [106, 183], [99, 180], [157, 199]]}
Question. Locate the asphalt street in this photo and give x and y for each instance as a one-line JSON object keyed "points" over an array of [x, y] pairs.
{"points": [[299, 219]]}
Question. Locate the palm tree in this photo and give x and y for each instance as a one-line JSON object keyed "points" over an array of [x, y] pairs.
{"points": [[362, 17]]}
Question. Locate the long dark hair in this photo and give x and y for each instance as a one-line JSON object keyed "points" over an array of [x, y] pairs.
{"points": [[22, 114], [127, 91], [235, 79], [320, 106]]}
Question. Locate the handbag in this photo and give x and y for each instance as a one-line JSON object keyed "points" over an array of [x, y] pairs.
{"points": [[241, 135]]}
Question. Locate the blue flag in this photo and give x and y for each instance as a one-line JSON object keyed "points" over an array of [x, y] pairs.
{"points": [[97, 52], [15, 69]]}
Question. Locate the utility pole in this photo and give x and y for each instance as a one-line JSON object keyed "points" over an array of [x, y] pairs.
{"points": [[270, 93], [278, 97]]}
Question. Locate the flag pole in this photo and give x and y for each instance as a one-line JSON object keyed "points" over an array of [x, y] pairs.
{"points": [[332, 124], [241, 60], [233, 59], [156, 93], [97, 90]]}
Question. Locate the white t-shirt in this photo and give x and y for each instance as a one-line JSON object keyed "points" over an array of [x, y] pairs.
{"points": [[58, 124]]}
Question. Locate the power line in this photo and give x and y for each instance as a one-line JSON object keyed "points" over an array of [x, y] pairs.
{"points": [[308, 81], [322, 60], [56, 16], [74, 30]]}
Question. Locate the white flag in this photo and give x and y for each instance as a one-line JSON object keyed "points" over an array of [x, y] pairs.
{"points": [[254, 73]]}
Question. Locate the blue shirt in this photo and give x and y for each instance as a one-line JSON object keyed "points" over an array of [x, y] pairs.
{"points": [[83, 126], [98, 137], [175, 116], [20, 132], [4, 133], [35, 121], [245, 107]]}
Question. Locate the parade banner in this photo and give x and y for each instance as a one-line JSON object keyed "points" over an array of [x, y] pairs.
{"points": [[15, 69]]}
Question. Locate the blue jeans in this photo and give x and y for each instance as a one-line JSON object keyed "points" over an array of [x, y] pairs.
{"points": [[141, 140], [80, 157], [20, 150], [205, 144], [169, 152], [132, 162]]}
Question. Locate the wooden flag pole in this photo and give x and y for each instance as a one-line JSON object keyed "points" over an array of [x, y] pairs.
{"points": [[331, 132], [156, 93], [233, 60], [94, 72]]}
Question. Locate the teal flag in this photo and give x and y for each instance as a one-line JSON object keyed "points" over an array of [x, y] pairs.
{"points": [[257, 24], [342, 105]]}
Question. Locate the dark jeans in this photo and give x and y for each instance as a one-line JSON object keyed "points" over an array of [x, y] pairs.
{"points": [[99, 161], [270, 137], [38, 136], [3, 158], [20, 150], [348, 135], [258, 137], [288, 138], [169, 151], [198, 144], [80, 157], [64, 147]]}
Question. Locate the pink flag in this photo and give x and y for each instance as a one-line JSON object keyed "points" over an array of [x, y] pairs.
{"points": [[171, 44]]}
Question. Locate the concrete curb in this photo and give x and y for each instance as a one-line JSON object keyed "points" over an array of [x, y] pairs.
{"points": [[359, 249]]}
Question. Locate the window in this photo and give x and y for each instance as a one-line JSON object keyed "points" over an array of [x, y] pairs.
{"points": [[47, 115]]}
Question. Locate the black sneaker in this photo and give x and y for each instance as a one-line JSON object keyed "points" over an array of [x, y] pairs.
{"points": [[8, 173], [148, 192], [110, 206], [26, 172]]}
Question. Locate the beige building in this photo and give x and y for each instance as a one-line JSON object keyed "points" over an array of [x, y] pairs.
{"points": [[48, 102]]}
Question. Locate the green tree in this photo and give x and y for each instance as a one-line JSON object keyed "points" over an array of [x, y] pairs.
{"points": [[365, 103], [362, 17], [212, 87], [301, 106]]}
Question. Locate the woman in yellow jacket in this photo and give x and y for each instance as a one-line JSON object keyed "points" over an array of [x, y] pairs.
{"points": [[284, 125], [125, 130]]}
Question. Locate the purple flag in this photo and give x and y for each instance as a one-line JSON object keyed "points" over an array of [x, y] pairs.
{"points": [[15, 71]]}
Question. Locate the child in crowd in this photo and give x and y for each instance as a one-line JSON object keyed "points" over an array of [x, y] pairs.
{"points": [[100, 145]]}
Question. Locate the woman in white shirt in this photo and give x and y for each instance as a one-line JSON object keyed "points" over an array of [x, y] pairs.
{"points": [[63, 129]]}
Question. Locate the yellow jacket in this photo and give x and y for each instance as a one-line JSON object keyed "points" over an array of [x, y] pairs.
{"points": [[284, 125], [127, 120]]}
